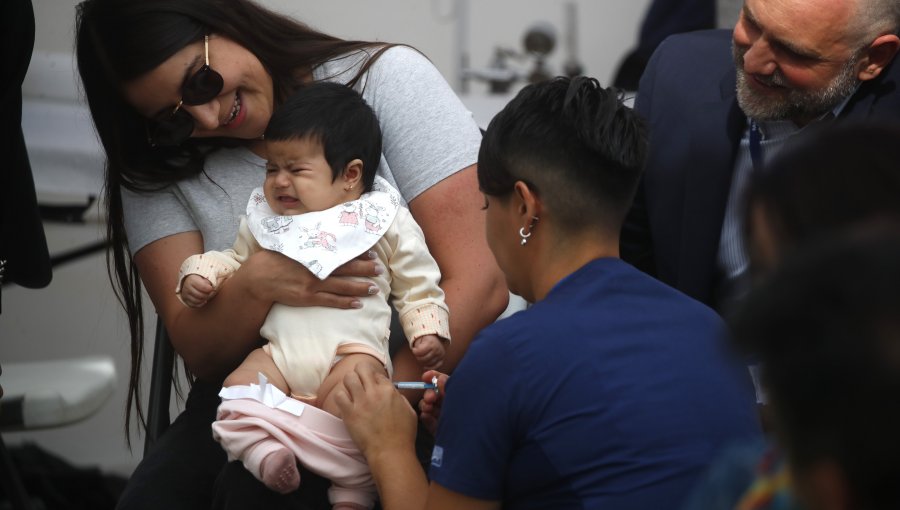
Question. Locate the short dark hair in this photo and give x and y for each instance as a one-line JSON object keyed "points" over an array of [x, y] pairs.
{"points": [[827, 329], [576, 143], [337, 117], [835, 177]]}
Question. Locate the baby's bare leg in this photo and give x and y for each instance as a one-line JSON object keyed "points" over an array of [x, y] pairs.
{"points": [[336, 376], [326, 392], [278, 468], [257, 362]]}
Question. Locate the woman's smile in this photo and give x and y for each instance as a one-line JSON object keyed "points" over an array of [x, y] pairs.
{"points": [[238, 113], [241, 110]]}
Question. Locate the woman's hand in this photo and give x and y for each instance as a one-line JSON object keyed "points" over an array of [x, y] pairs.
{"points": [[290, 283], [214, 339], [430, 405]]}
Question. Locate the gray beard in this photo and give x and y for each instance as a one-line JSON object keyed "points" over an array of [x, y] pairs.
{"points": [[797, 105]]}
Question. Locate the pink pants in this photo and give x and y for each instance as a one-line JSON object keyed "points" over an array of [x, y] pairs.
{"points": [[249, 430]]}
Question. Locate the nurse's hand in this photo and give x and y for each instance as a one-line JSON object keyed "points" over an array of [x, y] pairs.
{"points": [[430, 405], [379, 419]]}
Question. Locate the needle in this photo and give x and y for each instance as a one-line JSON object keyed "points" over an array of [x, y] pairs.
{"points": [[413, 385], [417, 385]]}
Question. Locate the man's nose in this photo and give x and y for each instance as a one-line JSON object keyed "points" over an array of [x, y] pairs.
{"points": [[759, 58]]}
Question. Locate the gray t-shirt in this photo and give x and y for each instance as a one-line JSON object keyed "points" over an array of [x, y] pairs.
{"points": [[428, 135]]}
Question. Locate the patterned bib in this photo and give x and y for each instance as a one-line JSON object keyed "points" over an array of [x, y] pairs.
{"points": [[324, 240]]}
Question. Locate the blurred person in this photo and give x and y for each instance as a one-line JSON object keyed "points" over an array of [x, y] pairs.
{"points": [[826, 327], [839, 177]]}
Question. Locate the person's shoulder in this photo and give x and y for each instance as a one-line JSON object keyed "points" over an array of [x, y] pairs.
{"points": [[686, 69], [695, 47], [878, 98], [401, 54], [400, 61], [699, 40], [715, 36], [676, 298], [510, 331], [627, 286]]}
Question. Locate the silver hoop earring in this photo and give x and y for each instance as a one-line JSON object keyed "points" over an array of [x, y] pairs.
{"points": [[524, 236]]}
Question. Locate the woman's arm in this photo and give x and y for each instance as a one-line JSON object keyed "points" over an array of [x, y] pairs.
{"points": [[451, 216], [214, 339], [430, 143]]}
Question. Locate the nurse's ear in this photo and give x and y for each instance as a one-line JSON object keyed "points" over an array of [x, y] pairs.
{"points": [[527, 202]]}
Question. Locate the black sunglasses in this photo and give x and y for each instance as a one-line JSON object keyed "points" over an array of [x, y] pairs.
{"points": [[176, 127]]}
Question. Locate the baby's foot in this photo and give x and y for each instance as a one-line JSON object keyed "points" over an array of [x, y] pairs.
{"points": [[279, 471]]}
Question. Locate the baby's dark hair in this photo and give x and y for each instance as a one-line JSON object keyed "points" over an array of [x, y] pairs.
{"points": [[338, 118], [576, 145]]}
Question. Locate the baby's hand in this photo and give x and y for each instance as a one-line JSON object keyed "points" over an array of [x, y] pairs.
{"points": [[196, 290], [429, 351]]}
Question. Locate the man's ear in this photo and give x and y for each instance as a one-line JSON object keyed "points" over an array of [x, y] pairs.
{"points": [[878, 55], [353, 172]]}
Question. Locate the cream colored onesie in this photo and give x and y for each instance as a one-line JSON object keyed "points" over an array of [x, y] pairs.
{"points": [[305, 342]]}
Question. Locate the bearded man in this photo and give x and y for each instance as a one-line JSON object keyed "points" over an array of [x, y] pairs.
{"points": [[720, 104]]}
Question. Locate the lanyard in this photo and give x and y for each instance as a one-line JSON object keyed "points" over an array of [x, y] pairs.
{"points": [[755, 146]]}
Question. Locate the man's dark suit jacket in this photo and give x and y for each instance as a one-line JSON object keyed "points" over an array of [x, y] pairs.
{"points": [[687, 96]]}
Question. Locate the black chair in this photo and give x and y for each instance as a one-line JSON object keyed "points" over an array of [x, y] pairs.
{"points": [[158, 419]]}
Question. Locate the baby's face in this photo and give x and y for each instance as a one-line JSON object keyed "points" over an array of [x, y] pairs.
{"points": [[298, 178]]}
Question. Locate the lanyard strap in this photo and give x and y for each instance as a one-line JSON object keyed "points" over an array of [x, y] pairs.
{"points": [[755, 146]]}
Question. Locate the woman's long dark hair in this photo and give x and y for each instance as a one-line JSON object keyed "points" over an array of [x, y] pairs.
{"points": [[117, 41]]}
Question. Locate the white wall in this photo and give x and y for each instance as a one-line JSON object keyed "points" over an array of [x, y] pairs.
{"points": [[606, 28], [77, 314]]}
